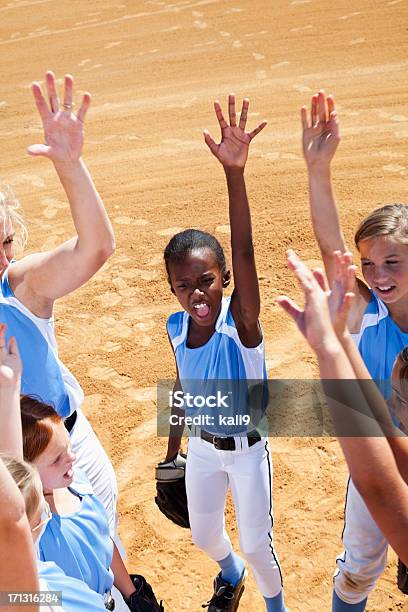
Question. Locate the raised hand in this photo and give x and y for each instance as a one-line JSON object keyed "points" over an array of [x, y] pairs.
{"points": [[10, 362], [232, 151], [63, 131], [321, 134], [324, 311], [341, 296]]}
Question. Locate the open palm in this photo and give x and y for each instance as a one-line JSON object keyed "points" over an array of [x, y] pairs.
{"points": [[63, 131], [232, 151], [321, 134]]}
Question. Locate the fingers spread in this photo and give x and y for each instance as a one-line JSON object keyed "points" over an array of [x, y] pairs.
{"points": [[231, 110], [212, 145], [69, 83], [220, 116], [244, 114], [40, 102], [330, 105], [13, 347], [257, 130], [83, 109], [37, 150], [303, 117], [313, 110], [322, 107], [52, 92], [321, 279], [289, 306], [303, 274]]}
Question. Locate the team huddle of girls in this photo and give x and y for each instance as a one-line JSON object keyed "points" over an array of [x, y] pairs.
{"points": [[66, 494]]}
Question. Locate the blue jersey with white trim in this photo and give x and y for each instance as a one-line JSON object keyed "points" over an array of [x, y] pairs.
{"points": [[206, 369], [80, 543], [44, 375], [76, 594], [379, 342]]}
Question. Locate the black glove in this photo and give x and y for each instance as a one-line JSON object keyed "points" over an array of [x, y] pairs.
{"points": [[143, 599], [171, 497]]}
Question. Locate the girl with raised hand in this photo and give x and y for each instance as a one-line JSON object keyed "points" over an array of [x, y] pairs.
{"points": [[17, 559], [30, 286], [378, 321], [359, 412], [214, 339], [76, 535]]}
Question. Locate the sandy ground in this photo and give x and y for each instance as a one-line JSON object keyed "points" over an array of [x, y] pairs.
{"points": [[154, 68]]}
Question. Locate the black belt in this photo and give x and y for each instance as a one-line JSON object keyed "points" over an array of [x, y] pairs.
{"points": [[228, 444], [70, 421]]}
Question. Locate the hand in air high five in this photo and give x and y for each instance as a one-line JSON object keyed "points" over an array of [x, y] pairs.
{"points": [[63, 130], [325, 312], [232, 151], [321, 134]]}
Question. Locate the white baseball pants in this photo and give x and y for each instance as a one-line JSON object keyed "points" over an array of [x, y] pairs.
{"points": [[365, 555], [248, 471]]}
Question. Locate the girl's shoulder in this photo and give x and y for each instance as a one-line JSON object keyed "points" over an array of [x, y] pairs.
{"points": [[81, 484], [5, 288]]}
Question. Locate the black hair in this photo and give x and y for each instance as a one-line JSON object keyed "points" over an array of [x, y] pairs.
{"points": [[184, 242]]}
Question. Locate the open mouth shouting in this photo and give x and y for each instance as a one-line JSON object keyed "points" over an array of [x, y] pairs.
{"points": [[202, 310]]}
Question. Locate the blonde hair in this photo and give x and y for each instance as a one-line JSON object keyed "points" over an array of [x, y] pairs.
{"points": [[390, 220], [9, 206], [28, 481]]}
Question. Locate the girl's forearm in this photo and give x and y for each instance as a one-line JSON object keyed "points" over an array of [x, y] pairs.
{"points": [[11, 438], [122, 580], [88, 212], [239, 213], [324, 211]]}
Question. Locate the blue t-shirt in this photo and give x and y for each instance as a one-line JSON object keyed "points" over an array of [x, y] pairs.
{"points": [[76, 595], [80, 543], [379, 341], [219, 371], [44, 375]]}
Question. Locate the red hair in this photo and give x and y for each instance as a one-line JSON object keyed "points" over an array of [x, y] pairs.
{"points": [[36, 419]]}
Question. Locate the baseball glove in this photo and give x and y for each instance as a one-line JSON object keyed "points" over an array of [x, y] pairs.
{"points": [[143, 599], [402, 577], [171, 496]]}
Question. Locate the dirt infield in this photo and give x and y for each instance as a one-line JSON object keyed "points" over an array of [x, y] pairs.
{"points": [[154, 69]]}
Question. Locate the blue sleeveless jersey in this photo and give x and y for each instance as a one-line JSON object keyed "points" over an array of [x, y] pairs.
{"points": [[80, 543], [44, 375], [379, 342], [76, 595], [206, 370]]}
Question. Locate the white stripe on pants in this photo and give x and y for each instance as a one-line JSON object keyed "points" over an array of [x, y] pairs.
{"points": [[365, 555], [248, 472]]}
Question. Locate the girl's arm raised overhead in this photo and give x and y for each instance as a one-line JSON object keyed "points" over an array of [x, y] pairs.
{"points": [[232, 153], [39, 279], [11, 437], [377, 477], [320, 137]]}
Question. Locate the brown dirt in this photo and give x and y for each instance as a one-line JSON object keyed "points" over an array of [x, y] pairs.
{"points": [[154, 68]]}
